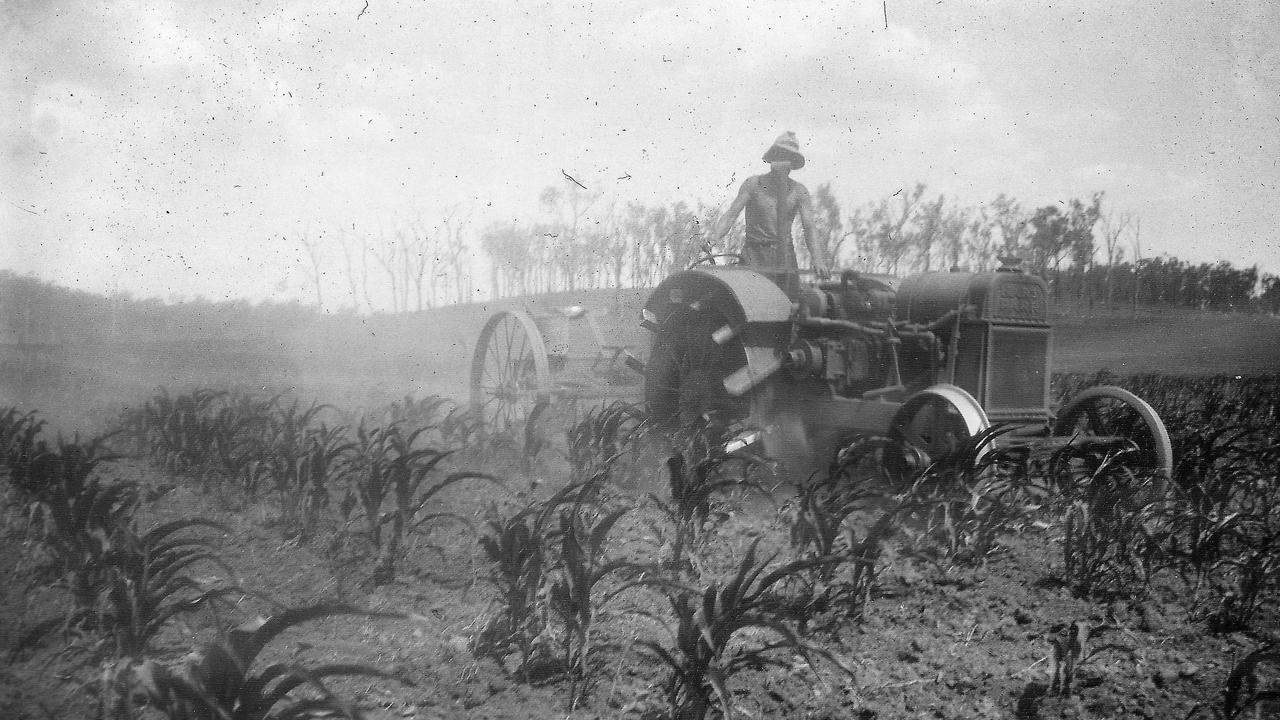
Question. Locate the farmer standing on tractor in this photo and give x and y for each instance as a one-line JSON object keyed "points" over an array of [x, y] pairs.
{"points": [[772, 202]]}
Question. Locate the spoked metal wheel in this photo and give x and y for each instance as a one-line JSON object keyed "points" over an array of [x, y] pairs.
{"points": [[1111, 418], [929, 427], [510, 374]]}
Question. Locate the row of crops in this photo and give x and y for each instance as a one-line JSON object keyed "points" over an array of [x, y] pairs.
{"points": [[573, 550]]}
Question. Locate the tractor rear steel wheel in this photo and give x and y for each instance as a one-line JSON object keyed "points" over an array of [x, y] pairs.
{"points": [[510, 373], [1109, 416], [929, 427], [684, 376]]}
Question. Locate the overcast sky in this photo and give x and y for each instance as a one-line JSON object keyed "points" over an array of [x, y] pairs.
{"points": [[176, 148]]}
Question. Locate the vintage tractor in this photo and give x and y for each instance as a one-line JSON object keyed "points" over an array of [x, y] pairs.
{"points": [[923, 363]]}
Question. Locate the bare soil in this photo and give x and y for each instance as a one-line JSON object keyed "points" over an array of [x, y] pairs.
{"points": [[936, 642]]}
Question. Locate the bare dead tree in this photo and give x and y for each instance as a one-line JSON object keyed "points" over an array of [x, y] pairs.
{"points": [[345, 241], [417, 252], [568, 208], [1137, 260], [314, 269], [364, 270], [386, 254], [1113, 226], [451, 249]]}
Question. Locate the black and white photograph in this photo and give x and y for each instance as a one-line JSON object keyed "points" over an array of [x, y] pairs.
{"points": [[556, 360]]}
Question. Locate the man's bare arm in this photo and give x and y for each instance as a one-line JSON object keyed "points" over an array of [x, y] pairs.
{"points": [[816, 258], [730, 216]]}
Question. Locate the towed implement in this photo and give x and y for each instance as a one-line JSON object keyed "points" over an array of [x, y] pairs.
{"points": [[923, 363], [526, 359]]}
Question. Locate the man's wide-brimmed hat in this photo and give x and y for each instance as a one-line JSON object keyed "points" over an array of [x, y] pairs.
{"points": [[785, 148]]}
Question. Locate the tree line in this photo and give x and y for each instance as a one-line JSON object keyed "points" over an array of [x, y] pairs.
{"points": [[1090, 254]]}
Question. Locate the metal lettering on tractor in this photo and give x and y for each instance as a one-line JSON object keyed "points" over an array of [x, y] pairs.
{"points": [[1019, 302]]}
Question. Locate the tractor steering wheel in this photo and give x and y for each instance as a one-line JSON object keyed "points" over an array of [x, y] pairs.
{"points": [[710, 259]]}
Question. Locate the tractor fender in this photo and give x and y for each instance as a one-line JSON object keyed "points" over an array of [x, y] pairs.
{"points": [[741, 295], [755, 310]]}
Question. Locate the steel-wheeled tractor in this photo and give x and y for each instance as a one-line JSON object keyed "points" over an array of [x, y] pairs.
{"points": [[924, 362]]}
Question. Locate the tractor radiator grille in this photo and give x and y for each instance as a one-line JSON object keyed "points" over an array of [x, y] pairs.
{"points": [[1017, 374]]}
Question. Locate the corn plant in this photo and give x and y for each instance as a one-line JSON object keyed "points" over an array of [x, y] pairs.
{"points": [[239, 430], [704, 656], [138, 584], [522, 553], [1246, 579], [80, 531], [37, 471], [217, 682], [1115, 530], [1225, 527], [823, 503], [864, 559], [152, 583], [821, 527], [74, 518], [180, 429], [1244, 691], [522, 443], [573, 595], [698, 476], [12, 423], [603, 437], [960, 507], [384, 464], [1216, 476], [146, 584], [1246, 694], [461, 428], [417, 412], [300, 460], [19, 441], [48, 486], [516, 549]]}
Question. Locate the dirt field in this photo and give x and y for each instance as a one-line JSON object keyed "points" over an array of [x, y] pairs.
{"points": [[939, 639]]}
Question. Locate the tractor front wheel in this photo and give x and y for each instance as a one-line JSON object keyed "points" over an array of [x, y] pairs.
{"points": [[931, 426], [1108, 417]]}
